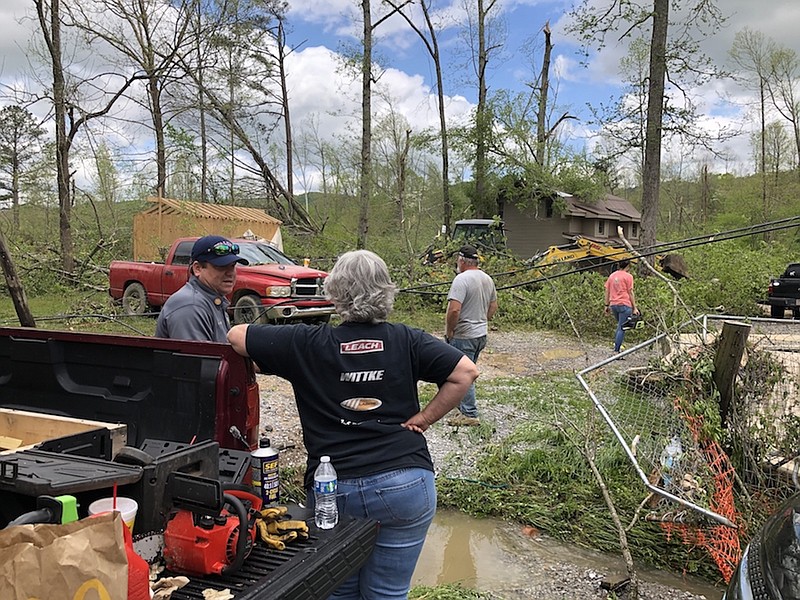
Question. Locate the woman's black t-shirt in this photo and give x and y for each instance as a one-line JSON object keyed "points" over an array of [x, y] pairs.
{"points": [[354, 384]]}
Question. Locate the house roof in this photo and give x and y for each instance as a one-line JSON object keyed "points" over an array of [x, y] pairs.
{"points": [[209, 211], [609, 207]]}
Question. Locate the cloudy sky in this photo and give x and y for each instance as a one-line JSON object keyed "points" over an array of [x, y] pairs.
{"points": [[322, 28]]}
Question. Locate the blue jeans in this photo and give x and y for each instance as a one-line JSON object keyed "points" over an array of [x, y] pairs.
{"points": [[404, 502], [621, 312], [472, 349]]}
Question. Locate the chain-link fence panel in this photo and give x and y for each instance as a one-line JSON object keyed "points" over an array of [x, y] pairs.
{"points": [[708, 459]]}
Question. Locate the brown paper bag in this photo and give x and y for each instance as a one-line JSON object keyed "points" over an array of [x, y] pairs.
{"points": [[84, 560]]}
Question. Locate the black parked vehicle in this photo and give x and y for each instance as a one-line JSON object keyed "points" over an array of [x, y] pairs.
{"points": [[770, 565], [784, 292]]}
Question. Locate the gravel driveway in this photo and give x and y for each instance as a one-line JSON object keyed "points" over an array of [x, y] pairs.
{"points": [[507, 355]]}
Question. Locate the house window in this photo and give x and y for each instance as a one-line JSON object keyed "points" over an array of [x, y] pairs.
{"points": [[634, 230], [601, 227], [548, 208]]}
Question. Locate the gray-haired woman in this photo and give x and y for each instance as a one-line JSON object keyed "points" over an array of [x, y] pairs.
{"points": [[356, 391]]}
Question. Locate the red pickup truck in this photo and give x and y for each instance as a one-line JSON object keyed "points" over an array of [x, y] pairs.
{"points": [[273, 288]]}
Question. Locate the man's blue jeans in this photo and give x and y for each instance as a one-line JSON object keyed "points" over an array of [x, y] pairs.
{"points": [[472, 349], [404, 502], [621, 312]]}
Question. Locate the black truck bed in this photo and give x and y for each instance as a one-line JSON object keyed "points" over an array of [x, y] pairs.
{"points": [[307, 570], [204, 388]]}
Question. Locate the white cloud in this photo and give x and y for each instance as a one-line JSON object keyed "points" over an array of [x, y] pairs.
{"points": [[16, 36], [319, 87]]}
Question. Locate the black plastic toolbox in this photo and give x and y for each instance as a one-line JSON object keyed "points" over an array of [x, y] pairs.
{"points": [[35, 472]]}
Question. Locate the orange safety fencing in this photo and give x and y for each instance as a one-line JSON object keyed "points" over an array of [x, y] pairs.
{"points": [[721, 542]]}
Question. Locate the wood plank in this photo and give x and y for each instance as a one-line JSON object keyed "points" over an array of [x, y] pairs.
{"points": [[9, 443], [32, 428]]}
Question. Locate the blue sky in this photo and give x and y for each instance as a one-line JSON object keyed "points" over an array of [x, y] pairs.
{"points": [[336, 22], [321, 93]]}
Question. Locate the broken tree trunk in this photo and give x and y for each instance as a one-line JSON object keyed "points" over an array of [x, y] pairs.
{"points": [[730, 349], [15, 286]]}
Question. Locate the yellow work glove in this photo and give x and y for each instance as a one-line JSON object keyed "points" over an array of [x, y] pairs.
{"points": [[269, 539], [283, 527], [276, 533], [271, 513]]}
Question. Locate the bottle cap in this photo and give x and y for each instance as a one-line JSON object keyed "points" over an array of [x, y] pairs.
{"points": [[323, 459], [264, 443]]}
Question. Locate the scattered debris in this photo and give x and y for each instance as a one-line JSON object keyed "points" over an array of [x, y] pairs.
{"points": [[163, 588], [209, 594]]}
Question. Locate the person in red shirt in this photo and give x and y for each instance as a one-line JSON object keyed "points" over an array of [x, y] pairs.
{"points": [[620, 300]]}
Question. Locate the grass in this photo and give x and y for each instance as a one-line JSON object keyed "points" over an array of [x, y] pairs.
{"points": [[447, 592], [538, 475], [94, 312]]}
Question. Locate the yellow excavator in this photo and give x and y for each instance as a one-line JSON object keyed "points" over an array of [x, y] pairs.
{"points": [[487, 235], [584, 253]]}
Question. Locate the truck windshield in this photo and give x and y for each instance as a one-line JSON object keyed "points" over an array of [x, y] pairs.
{"points": [[489, 234], [259, 253]]}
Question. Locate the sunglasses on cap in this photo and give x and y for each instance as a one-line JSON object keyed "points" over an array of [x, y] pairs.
{"points": [[222, 249]]}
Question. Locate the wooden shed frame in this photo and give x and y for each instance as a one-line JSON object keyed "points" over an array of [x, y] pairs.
{"points": [[155, 228]]}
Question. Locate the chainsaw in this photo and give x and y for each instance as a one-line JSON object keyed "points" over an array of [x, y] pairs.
{"points": [[210, 531]]}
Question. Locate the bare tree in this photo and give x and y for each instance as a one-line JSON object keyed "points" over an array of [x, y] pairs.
{"points": [[486, 46], [544, 88], [365, 187], [785, 67], [14, 285], [431, 42], [294, 211], [201, 108], [751, 52], [69, 116], [367, 76], [281, 52], [651, 173], [273, 62], [393, 142], [148, 36], [677, 57], [49, 14]]}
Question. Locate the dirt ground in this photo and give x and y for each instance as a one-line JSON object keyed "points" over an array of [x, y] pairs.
{"points": [[508, 354]]}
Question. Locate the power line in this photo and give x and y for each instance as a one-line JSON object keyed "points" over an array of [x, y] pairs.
{"points": [[653, 250]]}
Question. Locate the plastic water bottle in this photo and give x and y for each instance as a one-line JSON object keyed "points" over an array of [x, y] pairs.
{"points": [[326, 514], [669, 459], [264, 462]]}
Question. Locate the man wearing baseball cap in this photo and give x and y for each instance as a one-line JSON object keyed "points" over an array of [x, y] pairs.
{"points": [[199, 310], [471, 303]]}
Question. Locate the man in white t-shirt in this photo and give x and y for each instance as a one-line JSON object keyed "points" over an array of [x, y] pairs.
{"points": [[471, 303]]}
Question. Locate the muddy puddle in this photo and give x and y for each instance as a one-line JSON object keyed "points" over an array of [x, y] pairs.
{"points": [[492, 555]]}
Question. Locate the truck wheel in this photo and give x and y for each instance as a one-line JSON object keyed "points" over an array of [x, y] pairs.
{"points": [[134, 299], [776, 312], [248, 309]]}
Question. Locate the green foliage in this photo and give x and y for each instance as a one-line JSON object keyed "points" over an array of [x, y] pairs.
{"points": [[538, 474], [447, 592], [731, 277], [101, 232]]}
